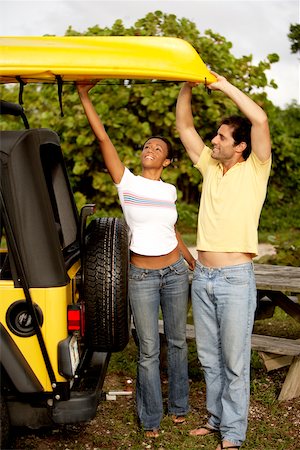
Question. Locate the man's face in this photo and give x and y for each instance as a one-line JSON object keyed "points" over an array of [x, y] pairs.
{"points": [[224, 148]]}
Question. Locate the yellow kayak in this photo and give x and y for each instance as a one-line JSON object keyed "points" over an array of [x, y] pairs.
{"points": [[77, 58]]}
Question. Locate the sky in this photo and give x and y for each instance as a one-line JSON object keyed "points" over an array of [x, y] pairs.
{"points": [[257, 27]]}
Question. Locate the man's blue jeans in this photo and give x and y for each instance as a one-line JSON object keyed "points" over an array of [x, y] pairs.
{"points": [[148, 290], [224, 302]]}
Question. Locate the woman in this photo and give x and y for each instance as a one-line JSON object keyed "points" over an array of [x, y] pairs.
{"points": [[158, 274]]}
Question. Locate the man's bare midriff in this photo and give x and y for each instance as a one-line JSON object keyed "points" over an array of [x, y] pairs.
{"points": [[155, 262], [220, 259]]}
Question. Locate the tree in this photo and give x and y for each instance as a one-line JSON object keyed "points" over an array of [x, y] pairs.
{"points": [[294, 37]]}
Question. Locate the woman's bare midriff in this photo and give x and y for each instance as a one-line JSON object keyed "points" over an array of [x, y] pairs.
{"points": [[220, 259], [155, 262]]}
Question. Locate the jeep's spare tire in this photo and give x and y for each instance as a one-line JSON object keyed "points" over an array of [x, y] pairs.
{"points": [[105, 285]]}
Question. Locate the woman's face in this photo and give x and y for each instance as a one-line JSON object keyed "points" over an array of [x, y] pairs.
{"points": [[155, 154]]}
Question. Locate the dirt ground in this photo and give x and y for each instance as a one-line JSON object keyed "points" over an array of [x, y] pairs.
{"points": [[271, 427]]}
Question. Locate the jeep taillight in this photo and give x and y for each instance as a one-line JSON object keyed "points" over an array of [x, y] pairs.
{"points": [[76, 319]]}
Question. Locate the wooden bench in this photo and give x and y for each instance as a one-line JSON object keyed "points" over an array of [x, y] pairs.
{"points": [[275, 353], [280, 352]]}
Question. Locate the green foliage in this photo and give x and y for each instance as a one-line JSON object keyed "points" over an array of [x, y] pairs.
{"points": [[281, 209], [132, 110], [187, 218], [287, 246], [294, 37]]}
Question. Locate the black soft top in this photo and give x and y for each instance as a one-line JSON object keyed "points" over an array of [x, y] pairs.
{"points": [[38, 209]]}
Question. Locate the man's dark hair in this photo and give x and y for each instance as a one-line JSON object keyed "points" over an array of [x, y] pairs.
{"points": [[170, 152], [241, 131]]}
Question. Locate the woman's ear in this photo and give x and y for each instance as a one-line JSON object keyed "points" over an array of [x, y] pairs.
{"points": [[166, 162]]}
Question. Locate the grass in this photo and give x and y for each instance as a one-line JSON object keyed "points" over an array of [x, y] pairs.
{"points": [[280, 325]]}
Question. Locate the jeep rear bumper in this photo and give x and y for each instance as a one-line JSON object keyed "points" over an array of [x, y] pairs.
{"points": [[33, 411], [83, 403]]}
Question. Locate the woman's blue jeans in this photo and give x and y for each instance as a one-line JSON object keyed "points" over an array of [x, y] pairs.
{"points": [[148, 290], [224, 302]]}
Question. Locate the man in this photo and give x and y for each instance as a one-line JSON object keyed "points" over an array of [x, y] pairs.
{"points": [[235, 176]]}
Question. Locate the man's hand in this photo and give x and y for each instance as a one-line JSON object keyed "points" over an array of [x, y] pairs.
{"points": [[219, 84]]}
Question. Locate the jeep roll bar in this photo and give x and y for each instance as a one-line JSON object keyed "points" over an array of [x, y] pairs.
{"points": [[14, 109]]}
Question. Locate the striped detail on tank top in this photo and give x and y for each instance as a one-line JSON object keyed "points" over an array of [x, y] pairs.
{"points": [[135, 200]]}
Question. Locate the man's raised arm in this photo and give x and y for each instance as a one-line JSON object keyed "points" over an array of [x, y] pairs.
{"points": [[260, 134]]}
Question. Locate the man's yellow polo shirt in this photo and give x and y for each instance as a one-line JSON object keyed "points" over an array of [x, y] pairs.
{"points": [[231, 204]]}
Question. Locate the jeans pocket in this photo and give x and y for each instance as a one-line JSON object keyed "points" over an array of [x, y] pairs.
{"points": [[197, 274], [180, 268], [137, 274], [238, 278]]}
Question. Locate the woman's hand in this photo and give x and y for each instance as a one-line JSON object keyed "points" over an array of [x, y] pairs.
{"points": [[83, 87], [191, 263], [192, 84]]}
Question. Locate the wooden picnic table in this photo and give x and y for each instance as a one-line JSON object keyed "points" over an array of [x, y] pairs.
{"points": [[277, 278], [280, 284]]}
